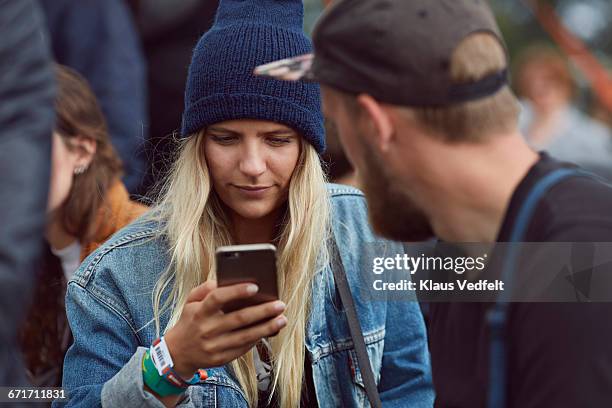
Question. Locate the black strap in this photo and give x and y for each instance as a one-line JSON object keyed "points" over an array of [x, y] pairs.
{"points": [[354, 326], [475, 90], [498, 314]]}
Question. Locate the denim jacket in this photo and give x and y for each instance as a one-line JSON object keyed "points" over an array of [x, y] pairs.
{"points": [[109, 305]]}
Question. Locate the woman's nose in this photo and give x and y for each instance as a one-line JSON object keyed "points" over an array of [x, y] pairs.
{"points": [[252, 162]]}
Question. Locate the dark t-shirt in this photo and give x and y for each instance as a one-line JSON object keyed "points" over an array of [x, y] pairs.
{"points": [[308, 398], [559, 354]]}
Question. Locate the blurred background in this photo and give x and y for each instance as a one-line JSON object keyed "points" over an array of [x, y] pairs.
{"points": [[587, 19], [561, 65], [561, 52]]}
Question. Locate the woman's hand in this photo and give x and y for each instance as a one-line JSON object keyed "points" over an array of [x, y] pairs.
{"points": [[206, 337]]}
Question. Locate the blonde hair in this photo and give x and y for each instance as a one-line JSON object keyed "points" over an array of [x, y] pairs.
{"points": [[477, 56], [195, 224]]}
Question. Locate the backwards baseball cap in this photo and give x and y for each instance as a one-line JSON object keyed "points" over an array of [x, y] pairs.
{"points": [[398, 51]]}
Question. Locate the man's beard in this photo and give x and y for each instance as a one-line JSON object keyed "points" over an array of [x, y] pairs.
{"points": [[392, 213]]}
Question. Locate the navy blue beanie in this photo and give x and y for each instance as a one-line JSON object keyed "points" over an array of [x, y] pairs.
{"points": [[221, 85]]}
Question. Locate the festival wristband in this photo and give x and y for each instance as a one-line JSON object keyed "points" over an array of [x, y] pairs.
{"points": [[161, 355], [162, 360], [158, 384]]}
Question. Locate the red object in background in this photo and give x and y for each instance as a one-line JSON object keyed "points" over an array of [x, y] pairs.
{"points": [[576, 50]]}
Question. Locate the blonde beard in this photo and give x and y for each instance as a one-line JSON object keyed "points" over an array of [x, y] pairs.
{"points": [[392, 213]]}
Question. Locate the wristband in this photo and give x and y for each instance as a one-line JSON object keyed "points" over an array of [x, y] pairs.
{"points": [[162, 360], [161, 355], [158, 384]]}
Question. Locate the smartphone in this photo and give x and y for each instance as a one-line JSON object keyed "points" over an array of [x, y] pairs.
{"points": [[248, 264]]}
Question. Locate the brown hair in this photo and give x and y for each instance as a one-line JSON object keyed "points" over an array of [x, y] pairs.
{"points": [[478, 55], [548, 58], [78, 114]]}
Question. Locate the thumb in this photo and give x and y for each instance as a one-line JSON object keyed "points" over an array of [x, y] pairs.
{"points": [[200, 292]]}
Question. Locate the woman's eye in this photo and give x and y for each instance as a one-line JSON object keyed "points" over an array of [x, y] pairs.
{"points": [[279, 141], [224, 140]]}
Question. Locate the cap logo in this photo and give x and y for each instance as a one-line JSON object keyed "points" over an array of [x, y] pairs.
{"points": [[288, 69]]}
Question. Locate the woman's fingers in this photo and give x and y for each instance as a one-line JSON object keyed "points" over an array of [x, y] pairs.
{"points": [[217, 298], [215, 338], [249, 336], [200, 292], [246, 317], [227, 355]]}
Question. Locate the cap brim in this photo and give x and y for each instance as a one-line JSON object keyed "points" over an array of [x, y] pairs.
{"points": [[289, 69]]}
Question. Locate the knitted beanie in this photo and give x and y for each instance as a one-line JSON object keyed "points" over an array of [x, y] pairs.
{"points": [[221, 85]]}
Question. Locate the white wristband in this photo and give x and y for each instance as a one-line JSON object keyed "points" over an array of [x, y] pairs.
{"points": [[161, 355]]}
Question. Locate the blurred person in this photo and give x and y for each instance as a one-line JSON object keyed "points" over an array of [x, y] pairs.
{"points": [[551, 121], [87, 204], [168, 30], [248, 171], [98, 39], [601, 114], [431, 126], [339, 170], [26, 122]]}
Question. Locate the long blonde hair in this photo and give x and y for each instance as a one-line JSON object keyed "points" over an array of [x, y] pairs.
{"points": [[195, 224]]}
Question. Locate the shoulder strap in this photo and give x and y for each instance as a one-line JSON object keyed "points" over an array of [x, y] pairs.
{"points": [[498, 314], [354, 326]]}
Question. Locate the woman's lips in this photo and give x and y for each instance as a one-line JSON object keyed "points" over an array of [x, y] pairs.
{"points": [[253, 191]]}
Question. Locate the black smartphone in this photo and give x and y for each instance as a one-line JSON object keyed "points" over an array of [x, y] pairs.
{"points": [[248, 264]]}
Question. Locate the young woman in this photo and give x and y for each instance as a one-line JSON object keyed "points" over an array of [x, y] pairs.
{"points": [[87, 204], [248, 171]]}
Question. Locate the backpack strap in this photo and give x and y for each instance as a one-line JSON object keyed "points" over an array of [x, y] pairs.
{"points": [[497, 316], [354, 326]]}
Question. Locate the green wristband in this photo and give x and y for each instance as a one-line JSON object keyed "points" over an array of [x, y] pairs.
{"points": [[158, 384]]}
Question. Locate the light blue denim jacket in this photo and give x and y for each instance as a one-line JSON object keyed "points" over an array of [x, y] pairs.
{"points": [[109, 305]]}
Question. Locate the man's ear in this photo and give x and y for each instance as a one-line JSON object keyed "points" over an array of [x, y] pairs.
{"points": [[380, 119], [86, 149]]}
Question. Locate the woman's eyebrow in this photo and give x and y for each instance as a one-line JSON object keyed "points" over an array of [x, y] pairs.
{"points": [[276, 132], [222, 130], [280, 132]]}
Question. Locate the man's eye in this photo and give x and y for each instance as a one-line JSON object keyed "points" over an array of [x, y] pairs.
{"points": [[224, 140]]}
